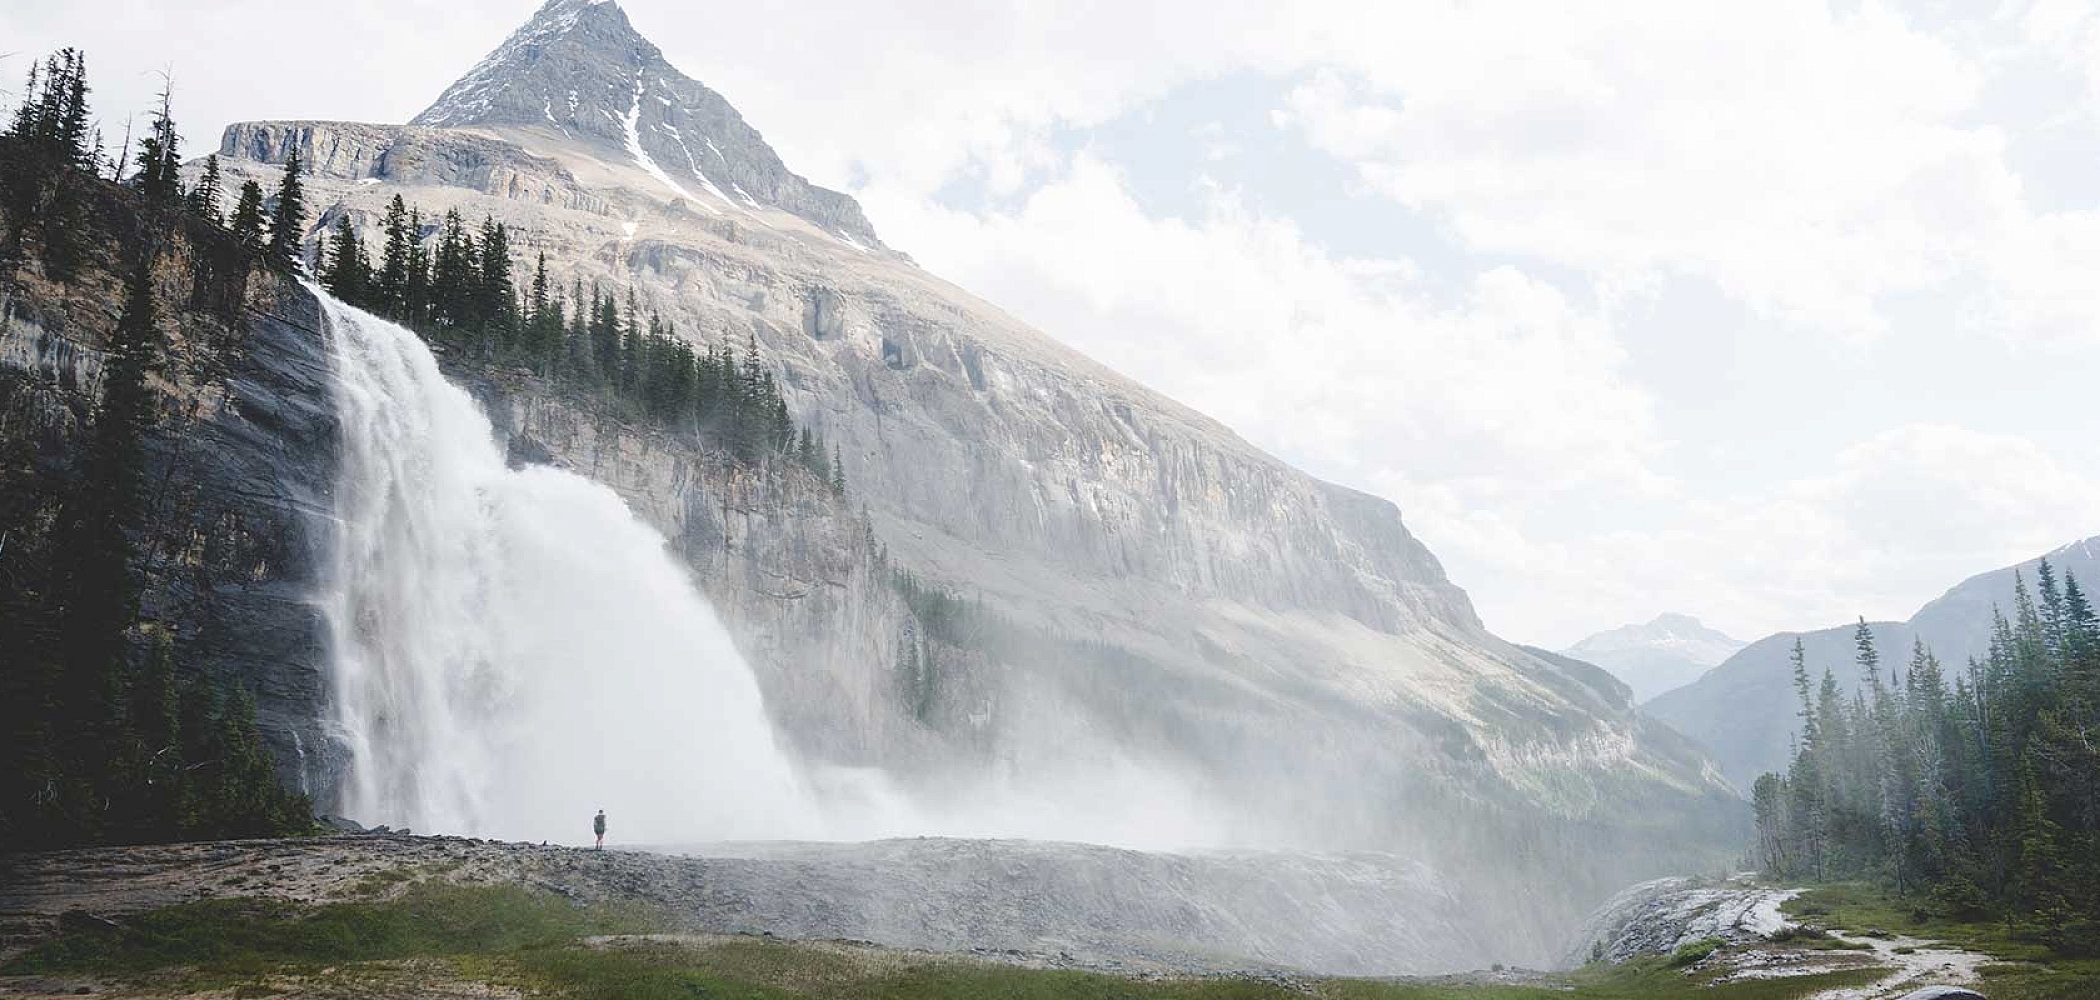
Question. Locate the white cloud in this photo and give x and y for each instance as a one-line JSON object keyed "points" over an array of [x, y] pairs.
{"points": [[1888, 523], [1806, 163]]}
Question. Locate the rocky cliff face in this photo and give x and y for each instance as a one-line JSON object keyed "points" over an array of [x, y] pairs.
{"points": [[1147, 593], [239, 464]]}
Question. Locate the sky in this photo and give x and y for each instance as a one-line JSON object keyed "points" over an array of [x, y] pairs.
{"points": [[1774, 314]]}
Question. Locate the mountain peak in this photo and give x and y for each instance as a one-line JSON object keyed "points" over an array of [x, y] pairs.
{"points": [[1669, 650], [561, 32], [1679, 624], [578, 70], [1667, 629]]}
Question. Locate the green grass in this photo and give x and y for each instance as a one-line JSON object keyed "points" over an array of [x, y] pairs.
{"points": [[761, 969], [241, 936], [2029, 970], [535, 942]]}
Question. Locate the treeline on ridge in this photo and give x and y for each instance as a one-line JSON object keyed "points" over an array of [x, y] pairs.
{"points": [[1975, 798], [455, 287]]}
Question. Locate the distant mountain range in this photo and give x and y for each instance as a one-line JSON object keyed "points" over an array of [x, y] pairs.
{"points": [[1668, 652], [1744, 711]]}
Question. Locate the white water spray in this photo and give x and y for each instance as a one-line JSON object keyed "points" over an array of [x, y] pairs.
{"points": [[514, 649]]}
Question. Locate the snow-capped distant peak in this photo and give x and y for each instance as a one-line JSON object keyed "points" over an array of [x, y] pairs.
{"points": [[1663, 653], [1677, 633]]}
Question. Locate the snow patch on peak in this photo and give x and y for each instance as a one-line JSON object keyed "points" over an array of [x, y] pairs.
{"points": [[1681, 634], [641, 156], [695, 167]]}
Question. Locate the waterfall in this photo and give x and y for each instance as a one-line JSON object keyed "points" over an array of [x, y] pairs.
{"points": [[513, 648]]}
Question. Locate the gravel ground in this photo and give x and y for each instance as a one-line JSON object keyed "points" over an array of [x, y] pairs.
{"points": [[1049, 904]]}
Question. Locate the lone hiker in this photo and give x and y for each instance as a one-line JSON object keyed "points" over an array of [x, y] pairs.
{"points": [[598, 827]]}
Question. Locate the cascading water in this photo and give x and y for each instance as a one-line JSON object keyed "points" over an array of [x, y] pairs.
{"points": [[514, 649]]}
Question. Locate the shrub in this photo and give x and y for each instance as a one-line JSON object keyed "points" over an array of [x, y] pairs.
{"points": [[1692, 952]]}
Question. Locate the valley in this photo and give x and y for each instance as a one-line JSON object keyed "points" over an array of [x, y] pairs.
{"points": [[387, 915], [379, 502]]}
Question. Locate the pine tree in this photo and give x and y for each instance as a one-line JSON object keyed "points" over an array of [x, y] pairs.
{"points": [[288, 223], [160, 165], [248, 219], [605, 338], [543, 321], [496, 295], [204, 197], [97, 596], [348, 275], [73, 122], [2081, 628], [454, 277], [390, 285], [578, 349], [416, 289]]}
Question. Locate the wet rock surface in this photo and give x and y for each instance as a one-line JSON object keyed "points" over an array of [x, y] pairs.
{"points": [[1656, 917], [239, 467], [1048, 904]]}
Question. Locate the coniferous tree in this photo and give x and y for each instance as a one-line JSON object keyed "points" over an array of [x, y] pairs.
{"points": [[97, 600], [1979, 797], [160, 164], [495, 295], [577, 352], [248, 223], [543, 322], [288, 219], [390, 284], [415, 289], [454, 277], [348, 275], [50, 148], [204, 196]]}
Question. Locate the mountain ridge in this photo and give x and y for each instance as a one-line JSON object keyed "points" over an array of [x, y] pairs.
{"points": [[1173, 599], [1744, 711], [1659, 655]]}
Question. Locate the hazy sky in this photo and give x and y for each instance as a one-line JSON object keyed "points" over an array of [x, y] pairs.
{"points": [[1773, 314]]}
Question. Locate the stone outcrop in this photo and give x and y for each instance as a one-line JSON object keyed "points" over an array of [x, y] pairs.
{"points": [[1658, 917]]}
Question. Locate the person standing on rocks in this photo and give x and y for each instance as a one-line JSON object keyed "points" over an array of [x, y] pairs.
{"points": [[598, 827]]}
